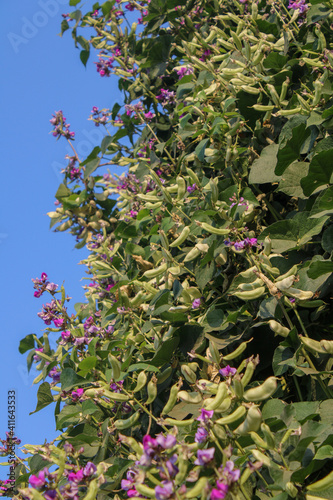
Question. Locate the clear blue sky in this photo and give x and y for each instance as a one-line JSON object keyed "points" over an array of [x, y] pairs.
{"points": [[41, 74]]}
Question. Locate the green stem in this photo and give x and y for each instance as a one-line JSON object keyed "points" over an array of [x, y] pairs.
{"points": [[297, 388]]}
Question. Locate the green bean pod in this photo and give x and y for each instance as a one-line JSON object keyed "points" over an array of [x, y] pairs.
{"points": [[151, 390], [127, 422], [222, 392], [232, 417], [263, 391], [237, 352], [322, 484], [251, 423], [192, 254], [214, 230], [145, 490], [115, 365], [312, 345], [200, 485], [261, 443], [172, 399], [181, 238], [327, 345], [190, 397], [249, 371], [181, 183], [278, 329], [269, 436], [153, 273], [250, 294], [178, 423], [141, 382]]}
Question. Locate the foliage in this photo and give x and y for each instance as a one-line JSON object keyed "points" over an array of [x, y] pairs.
{"points": [[200, 365]]}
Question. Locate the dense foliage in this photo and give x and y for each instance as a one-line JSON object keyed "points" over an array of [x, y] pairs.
{"points": [[200, 365]]}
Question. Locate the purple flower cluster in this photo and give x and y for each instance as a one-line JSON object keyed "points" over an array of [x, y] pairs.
{"points": [[7, 444], [241, 202], [104, 64], [205, 55], [241, 245], [166, 97], [41, 284], [76, 479], [160, 451], [298, 5], [185, 70], [71, 170], [196, 303], [191, 189], [55, 373], [99, 117], [134, 108], [61, 128], [50, 313], [227, 476], [228, 371], [202, 433]]}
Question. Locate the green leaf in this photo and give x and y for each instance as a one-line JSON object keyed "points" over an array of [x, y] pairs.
{"points": [[320, 173], [204, 275], [327, 239], [325, 452], [292, 233], [319, 268], [91, 167], [291, 151], [142, 366], [133, 249], [44, 397], [200, 149], [290, 182], [107, 140], [323, 204], [190, 337], [73, 3], [70, 379], [276, 61], [62, 192], [89, 407], [87, 364], [27, 343], [262, 169], [69, 415], [165, 352]]}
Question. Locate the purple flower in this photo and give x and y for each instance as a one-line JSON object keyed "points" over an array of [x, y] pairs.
{"points": [[89, 469], [230, 473], [58, 321], [166, 442], [300, 5], [149, 116], [227, 371], [219, 492], [201, 435], [54, 373], [205, 415], [38, 481], [185, 70], [77, 394], [50, 494], [164, 492], [204, 457], [66, 335], [192, 188], [239, 245], [196, 303], [171, 467]]}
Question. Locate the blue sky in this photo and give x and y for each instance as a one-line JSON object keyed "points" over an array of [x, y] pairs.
{"points": [[42, 74]]}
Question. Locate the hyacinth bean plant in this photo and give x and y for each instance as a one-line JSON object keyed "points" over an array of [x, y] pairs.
{"points": [[200, 365]]}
